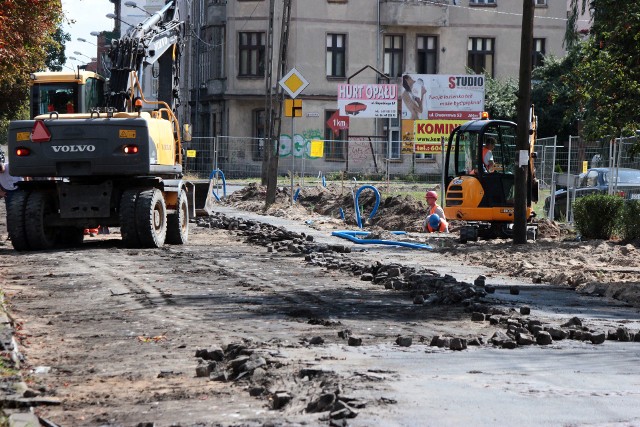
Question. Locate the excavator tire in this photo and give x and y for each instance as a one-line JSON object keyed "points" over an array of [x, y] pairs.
{"points": [[178, 222], [16, 227], [39, 235], [128, 218], [151, 218]]}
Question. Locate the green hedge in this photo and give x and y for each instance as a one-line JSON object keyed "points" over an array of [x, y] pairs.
{"points": [[598, 216], [630, 220]]}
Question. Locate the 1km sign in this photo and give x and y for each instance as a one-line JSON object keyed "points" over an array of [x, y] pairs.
{"points": [[337, 122]]}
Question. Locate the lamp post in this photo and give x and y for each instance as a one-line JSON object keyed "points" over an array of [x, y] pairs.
{"points": [[82, 54], [134, 5], [80, 39], [93, 64], [113, 16]]}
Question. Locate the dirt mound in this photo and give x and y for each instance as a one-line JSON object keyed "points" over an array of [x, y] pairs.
{"points": [[396, 212], [549, 229]]}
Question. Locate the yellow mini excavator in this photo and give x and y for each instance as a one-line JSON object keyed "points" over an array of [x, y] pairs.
{"points": [[481, 193]]}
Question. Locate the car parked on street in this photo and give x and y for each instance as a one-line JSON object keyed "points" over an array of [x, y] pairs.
{"points": [[596, 180]]}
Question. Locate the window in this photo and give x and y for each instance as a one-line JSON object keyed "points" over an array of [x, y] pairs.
{"points": [[334, 144], [482, 2], [393, 54], [336, 48], [251, 55], [480, 55], [259, 132], [427, 57], [538, 53], [541, 3]]}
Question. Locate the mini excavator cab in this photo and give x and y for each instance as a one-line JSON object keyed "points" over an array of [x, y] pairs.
{"points": [[479, 193]]}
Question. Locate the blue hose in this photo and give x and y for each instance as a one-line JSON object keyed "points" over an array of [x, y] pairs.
{"points": [[357, 197], [352, 236], [224, 183]]}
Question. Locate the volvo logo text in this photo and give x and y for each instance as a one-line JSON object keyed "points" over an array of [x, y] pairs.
{"points": [[73, 148]]}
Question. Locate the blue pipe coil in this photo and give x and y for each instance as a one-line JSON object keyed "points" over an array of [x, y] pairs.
{"points": [[352, 236], [375, 207], [224, 183]]}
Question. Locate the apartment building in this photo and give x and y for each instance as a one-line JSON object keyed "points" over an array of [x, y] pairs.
{"points": [[330, 41]]}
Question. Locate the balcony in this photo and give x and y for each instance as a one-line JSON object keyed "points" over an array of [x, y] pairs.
{"points": [[422, 13]]}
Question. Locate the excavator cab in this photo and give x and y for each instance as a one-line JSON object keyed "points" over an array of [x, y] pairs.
{"points": [[480, 192]]}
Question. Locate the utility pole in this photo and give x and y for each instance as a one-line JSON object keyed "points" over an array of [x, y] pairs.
{"points": [[274, 101], [524, 126]]}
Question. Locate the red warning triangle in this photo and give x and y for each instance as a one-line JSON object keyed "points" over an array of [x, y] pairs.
{"points": [[40, 133]]}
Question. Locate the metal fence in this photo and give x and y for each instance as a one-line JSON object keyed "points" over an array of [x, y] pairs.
{"points": [[558, 164], [363, 156], [561, 167]]}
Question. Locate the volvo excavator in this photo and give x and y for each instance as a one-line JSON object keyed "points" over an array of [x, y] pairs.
{"points": [[481, 194], [115, 162]]}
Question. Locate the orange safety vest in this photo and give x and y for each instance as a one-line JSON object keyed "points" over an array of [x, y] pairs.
{"points": [[484, 153], [441, 229], [443, 221]]}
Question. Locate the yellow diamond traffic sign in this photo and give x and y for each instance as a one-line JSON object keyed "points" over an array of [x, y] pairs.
{"points": [[293, 83]]}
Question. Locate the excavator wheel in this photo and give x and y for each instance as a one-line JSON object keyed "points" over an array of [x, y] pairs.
{"points": [[16, 227], [151, 218], [128, 218], [178, 222], [468, 233], [39, 235]]}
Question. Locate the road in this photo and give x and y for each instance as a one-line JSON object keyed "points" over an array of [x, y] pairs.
{"points": [[111, 335]]}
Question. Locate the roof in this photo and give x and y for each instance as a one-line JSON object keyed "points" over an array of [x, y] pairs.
{"points": [[80, 76]]}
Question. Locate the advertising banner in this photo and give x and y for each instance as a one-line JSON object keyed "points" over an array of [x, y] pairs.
{"points": [[368, 100], [442, 96]]}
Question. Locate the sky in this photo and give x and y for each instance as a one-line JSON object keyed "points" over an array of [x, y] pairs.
{"points": [[89, 15]]}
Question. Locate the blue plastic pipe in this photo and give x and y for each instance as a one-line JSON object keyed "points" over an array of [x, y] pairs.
{"points": [[352, 236], [295, 196], [224, 183], [357, 205]]}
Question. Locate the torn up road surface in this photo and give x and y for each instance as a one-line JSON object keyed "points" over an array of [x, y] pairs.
{"points": [[252, 324]]}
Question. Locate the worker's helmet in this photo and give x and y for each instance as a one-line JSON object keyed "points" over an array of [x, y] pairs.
{"points": [[431, 194], [434, 221]]}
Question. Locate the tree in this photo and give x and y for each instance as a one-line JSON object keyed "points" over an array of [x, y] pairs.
{"points": [[554, 94], [500, 98], [608, 74], [55, 50], [27, 27]]}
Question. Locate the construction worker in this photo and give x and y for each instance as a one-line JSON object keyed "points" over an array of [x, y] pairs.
{"points": [[487, 154], [436, 224], [434, 209]]}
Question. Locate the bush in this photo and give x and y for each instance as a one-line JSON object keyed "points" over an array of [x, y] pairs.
{"points": [[630, 220], [596, 216]]}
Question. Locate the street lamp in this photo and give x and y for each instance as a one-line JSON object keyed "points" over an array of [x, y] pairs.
{"points": [[82, 54], [80, 39], [113, 16], [95, 33], [133, 4]]}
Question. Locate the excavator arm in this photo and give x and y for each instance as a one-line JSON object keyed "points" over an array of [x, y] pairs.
{"points": [[156, 39]]}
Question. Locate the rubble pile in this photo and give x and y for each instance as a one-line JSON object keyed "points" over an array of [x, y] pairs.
{"points": [[258, 372], [424, 287]]}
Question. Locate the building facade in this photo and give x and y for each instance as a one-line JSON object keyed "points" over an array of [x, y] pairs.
{"points": [[329, 42]]}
